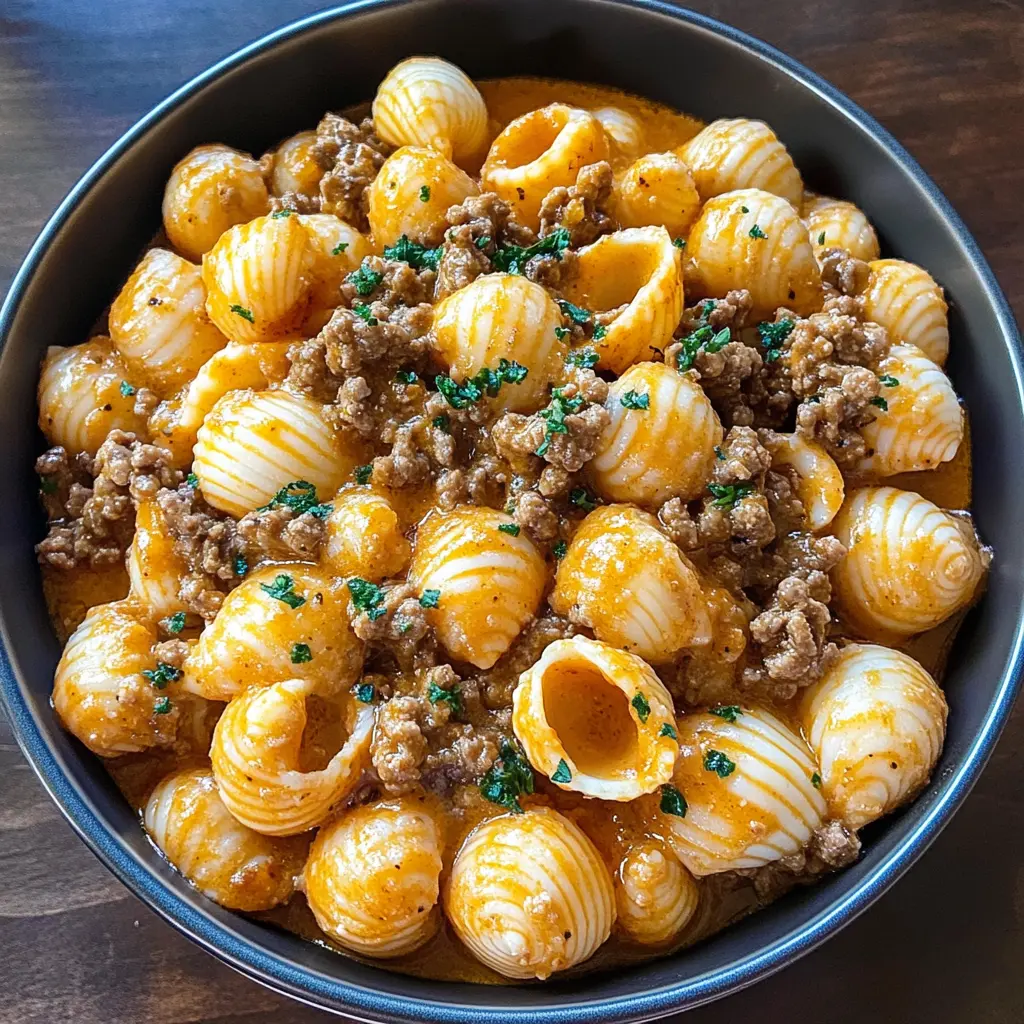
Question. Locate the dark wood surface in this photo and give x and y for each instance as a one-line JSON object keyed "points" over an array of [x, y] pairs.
{"points": [[947, 944]]}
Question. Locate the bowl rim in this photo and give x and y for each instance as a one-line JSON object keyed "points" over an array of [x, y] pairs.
{"points": [[344, 997]]}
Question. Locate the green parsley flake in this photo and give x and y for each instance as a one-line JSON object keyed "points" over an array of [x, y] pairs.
{"points": [[430, 598], [442, 423], [192, 480], [703, 338], [367, 597], [419, 257], [561, 333], [339, 248], [283, 589], [641, 706], [363, 473], [365, 279], [719, 454], [880, 403], [512, 529], [245, 314], [300, 497], [162, 706], [586, 358], [634, 400], [127, 389], [301, 654], [47, 485], [278, 214], [672, 801], [773, 336], [365, 692], [669, 731], [730, 712], [407, 377], [562, 772], [424, 193], [509, 778], [727, 495], [560, 549], [555, 414], [511, 259], [715, 761], [439, 695], [816, 780], [241, 566], [458, 396], [577, 314], [744, 209], [756, 232], [889, 381], [580, 497], [363, 311], [599, 331], [483, 241], [162, 674], [176, 623], [821, 238], [679, 243]]}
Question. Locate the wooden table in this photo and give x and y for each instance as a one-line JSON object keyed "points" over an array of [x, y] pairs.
{"points": [[947, 944]]}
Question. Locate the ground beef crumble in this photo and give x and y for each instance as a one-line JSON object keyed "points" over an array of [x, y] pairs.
{"points": [[582, 209], [351, 155]]}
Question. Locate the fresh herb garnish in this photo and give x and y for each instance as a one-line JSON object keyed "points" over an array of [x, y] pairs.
{"points": [[363, 473], [439, 695], [365, 692], [555, 414], [367, 597], [561, 333], [880, 403], [458, 396], [488, 381], [730, 712], [816, 780], [162, 706], [245, 314], [580, 497], [127, 389], [419, 257], [672, 801], [442, 423], [562, 772], [560, 549], [634, 400], [241, 566], [47, 485], [365, 279], [407, 377], [283, 589], [719, 454], [586, 358], [704, 337], [483, 241], [192, 480], [743, 209], [756, 232], [301, 654], [300, 497], [888, 381], [577, 314], [511, 259], [505, 784], [162, 674], [773, 336], [727, 495], [512, 529], [176, 623], [679, 243], [715, 761], [821, 238], [430, 598], [278, 214], [669, 731], [339, 248], [424, 193], [363, 311], [641, 706], [599, 331]]}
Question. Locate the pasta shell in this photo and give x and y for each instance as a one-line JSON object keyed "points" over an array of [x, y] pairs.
{"points": [[639, 273], [364, 538], [736, 153], [338, 249], [155, 571], [817, 480], [876, 722], [295, 168], [907, 302], [259, 278], [529, 894], [372, 878], [209, 191], [99, 692], [227, 862], [909, 564], [656, 897], [425, 101], [263, 766], [539, 151], [661, 450], [747, 793], [254, 443], [597, 715], [625, 133], [502, 316], [158, 322], [254, 635], [625, 580], [755, 240], [412, 193], [489, 582], [837, 224], [81, 398], [657, 189], [923, 424]]}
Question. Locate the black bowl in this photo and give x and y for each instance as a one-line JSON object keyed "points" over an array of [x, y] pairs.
{"points": [[331, 60]]}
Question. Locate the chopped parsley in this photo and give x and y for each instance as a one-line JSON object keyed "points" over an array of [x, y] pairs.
{"points": [[439, 695], [821, 238], [483, 241], [756, 232], [730, 712], [192, 480], [301, 654], [367, 597], [407, 377], [888, 381], [176, 623], [458, 396], [511, 259], [599, 331], [560, 549], [365, 692], [365, 279], [512, 529], [641, 706], [580, 497], [47, 485], [283, 589], [241, 566], [773, 336], [704, 337], [442, 423], [424, 193], [488, 381], [511, 372], [430, 598], [679, 243], [162, 674], [339, 248], [505, 784], [672, 801], [363, 311], [363, 473], [744, 209], [300, 497], [555, 414], [162, 706], [278, 214], [726, 495], [245, 314], [880, 403], [577, 314], [715, 761], [561, 333], [719, 454], [586, 358], [669, 731], [419, 257], [562, 772], [127, 389], [634, 400], [816, 780]]}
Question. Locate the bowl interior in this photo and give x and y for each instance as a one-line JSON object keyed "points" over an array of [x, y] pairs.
{"points": [[328, 62]]}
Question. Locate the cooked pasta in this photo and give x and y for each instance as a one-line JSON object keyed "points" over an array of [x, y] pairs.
{"points": [[816, 479], [837, 224], [658, 189], [624, 132], [294, 166], [155, 569], [656, 897], [907, 302], [338, 249], [364, 538]]}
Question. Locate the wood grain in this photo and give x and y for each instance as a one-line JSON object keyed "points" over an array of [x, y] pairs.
{"points": [[947, 944]]}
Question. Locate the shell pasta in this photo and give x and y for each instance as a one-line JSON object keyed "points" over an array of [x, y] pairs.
{"points": [[510, 527]]}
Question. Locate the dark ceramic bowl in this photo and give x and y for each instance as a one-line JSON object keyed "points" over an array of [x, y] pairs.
{"points": [[334, 59]]}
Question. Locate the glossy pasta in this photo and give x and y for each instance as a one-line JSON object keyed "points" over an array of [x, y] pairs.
{"points": [[655, 896], [907, 302]]}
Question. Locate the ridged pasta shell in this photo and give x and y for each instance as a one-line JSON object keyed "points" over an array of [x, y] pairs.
{"points": [[490, 582], [372, 878], [647, 455], [748, 791], [539, 151], [657, 189], [159, 324], [502, 316], [80, 396], [227, 862], [638, 269], [252, 638], [755, 240], [338, 249], [909, 564], [99, 691], [262, 766], [656, 897], [735, 153], [155, 571], [210, 190], [907, 302], [837, 224], [625, 580], [624, 131], [294, 166], [876, 722], [364, 538], [923, 424], [425, 101], [529, 894], [598, 714], [253, 443], [817, 479], [412, 193]]}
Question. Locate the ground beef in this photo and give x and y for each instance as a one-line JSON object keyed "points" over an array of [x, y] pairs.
{"points": [[351, 155], [399, 745], [834, 416], [679, 524], [171, 652], [280, 535], [297, 202], [402, 631], [844, 273], [581, 209], [536, 516]]}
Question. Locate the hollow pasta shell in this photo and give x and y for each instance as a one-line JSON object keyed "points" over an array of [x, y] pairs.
{"points": [[502, 316], [657, 189], [489, 582], [662, 450], [656, 897], [425, 101], [253, 443], [907, 302], [817, 480], [154, 569], [638, 272], [227, 862], [539, 151], [529, 894], [625, 133], [748, 792], [837, 224], [923, 424], [755, 240], [372, 878], [210, 190], [294, 166], [876, 722], [338, 249], [81, 398], [736, 153], [364, 538], [909, 564], [625, 580]]}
